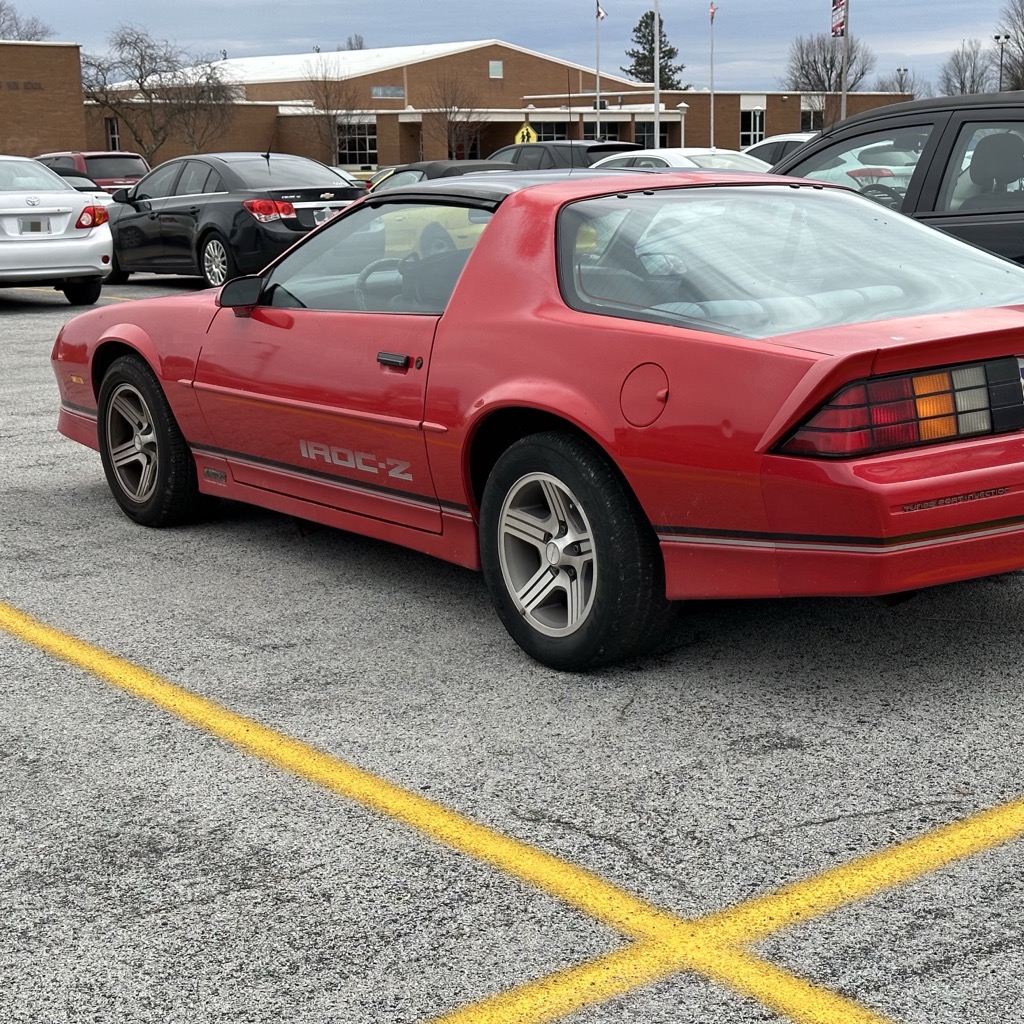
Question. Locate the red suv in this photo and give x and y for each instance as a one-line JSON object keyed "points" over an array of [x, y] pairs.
{"points": [[110, 170]]}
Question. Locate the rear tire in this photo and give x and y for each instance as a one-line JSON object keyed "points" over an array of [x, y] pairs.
{"points": [[215, 260], [147, 462], [570, 560], [84, 292], [116, 275]]}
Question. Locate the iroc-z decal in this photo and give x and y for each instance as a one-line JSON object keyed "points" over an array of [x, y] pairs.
{"points": [[365, 462]]}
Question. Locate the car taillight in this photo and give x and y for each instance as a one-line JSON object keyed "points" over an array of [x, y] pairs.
{"points": [[913, 409], [265, 210], [92, 216]]}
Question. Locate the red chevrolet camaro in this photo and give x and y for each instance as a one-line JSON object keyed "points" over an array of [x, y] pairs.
{"points": [[610, 391]]}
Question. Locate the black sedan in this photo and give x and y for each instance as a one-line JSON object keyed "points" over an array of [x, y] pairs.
{"points": [[219, 215]]}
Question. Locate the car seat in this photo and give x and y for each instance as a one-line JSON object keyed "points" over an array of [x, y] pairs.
{"points": [[997, 161]]}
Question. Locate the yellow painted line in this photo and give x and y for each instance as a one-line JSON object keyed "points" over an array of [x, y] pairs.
{"points": [[711, 946], [582, 889], [874, 873]]}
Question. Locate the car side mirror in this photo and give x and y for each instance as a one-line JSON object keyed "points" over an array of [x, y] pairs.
{"points": [[241, 294], [121, 195]]}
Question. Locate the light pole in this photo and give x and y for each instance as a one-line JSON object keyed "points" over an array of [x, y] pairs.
{"points": [[682, 108], [901, 79], [1001, 41]]}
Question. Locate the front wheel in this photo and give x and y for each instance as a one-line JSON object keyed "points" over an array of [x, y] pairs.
{"points": [[571, 563], [216, 262], [147, 462]]}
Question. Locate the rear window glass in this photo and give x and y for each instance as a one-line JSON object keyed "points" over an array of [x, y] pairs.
{"points": [[116, 166], [767, 260], [282, 171], [29, 176]]}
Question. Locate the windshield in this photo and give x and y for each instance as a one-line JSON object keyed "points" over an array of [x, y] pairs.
{"points": [[766, 260]]}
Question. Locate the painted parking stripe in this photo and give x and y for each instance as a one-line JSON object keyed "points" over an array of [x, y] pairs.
{"points": [[712, 946]]}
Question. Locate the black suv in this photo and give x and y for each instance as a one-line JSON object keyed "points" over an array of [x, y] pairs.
{"points": [[955, 162], [562, 153]]}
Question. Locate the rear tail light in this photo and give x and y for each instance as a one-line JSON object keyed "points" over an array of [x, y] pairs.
{"points": [[92, 217], [884, 413], [266, 210]]}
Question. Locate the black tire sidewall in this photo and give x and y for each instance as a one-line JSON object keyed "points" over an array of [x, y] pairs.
{"points": [[613, 628], [156, 510]]}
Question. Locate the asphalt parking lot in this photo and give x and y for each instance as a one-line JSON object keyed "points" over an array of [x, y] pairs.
{"points": [[256, 770]]}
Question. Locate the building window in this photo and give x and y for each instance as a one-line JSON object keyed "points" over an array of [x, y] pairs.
{"points": [[113, 132], [812, 120], [357, 144], [496, 69], [644, 133], [609, 130], [751, 126], [387, 92], [550, 131]]}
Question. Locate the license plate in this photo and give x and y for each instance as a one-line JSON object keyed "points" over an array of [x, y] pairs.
{"points": [[34, 225]]}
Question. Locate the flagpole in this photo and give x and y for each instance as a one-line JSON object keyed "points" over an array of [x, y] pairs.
{"points": [[846, 60], [711, 63], [599, 15], [657, 76]]}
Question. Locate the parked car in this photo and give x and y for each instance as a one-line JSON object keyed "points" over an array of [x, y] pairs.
{"points": [[618, 391], [81, 183], [775, 147], [218, 215], [111, 170], [559, 153], [953, 162], [424, 170], [50, 233], [690, 156]]}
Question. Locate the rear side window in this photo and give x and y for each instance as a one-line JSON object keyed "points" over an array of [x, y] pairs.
{"points": [[985, 170]]}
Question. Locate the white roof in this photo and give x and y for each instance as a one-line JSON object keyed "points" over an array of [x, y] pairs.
{"points": [[294, 67]]}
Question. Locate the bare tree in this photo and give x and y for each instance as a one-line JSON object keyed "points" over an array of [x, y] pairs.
{"points": [[203, 102], [461, 121], [967, 70], [903, 80], [1009, 52], [14, 25], [816, 64], [355, 43], [157, 90], [335, 99]]}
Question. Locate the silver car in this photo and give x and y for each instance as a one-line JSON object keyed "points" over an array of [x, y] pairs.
{"points": [[51, 234]]}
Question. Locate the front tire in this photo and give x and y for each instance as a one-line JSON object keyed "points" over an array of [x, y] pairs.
{"points": [[571, 563], [148, 464], [117, 275], [215, 260]]}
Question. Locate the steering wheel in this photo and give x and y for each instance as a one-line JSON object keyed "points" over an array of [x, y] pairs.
{"points": [[376, 267], [883, 195]]}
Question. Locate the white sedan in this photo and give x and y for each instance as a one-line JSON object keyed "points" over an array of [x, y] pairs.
{"points": [[688, 156], [50, 233]]}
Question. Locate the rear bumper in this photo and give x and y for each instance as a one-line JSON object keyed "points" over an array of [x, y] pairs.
{"points": [[864, 527]]}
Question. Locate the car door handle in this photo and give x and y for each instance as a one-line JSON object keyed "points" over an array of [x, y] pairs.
{"points": [[393, 359]]}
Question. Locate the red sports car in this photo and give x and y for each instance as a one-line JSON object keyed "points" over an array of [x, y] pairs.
{"points": [[609, 391]]}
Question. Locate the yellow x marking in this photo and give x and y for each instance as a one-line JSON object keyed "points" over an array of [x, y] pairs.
{"points": [[662, 944]]}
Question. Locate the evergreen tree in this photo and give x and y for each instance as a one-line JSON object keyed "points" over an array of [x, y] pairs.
{"points": [[642, 56]]}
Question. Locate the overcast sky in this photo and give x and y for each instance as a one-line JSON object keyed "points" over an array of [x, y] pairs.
{"points": [[751, 37]]}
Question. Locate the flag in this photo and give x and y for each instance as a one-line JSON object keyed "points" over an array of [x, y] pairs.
{"points": [[600, 11], [711, 13]]}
